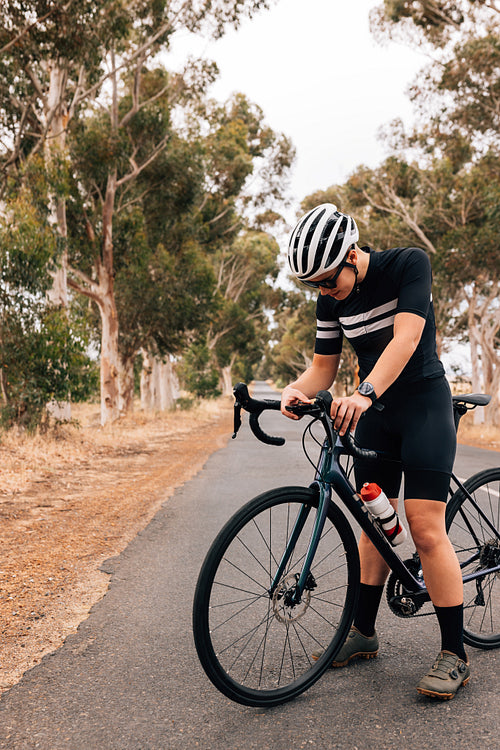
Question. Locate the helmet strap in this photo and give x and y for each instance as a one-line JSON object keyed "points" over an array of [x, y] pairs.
{"points": [[355, 269]]}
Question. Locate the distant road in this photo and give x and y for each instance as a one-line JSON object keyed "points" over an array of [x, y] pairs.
{"points": [[129, 679]]}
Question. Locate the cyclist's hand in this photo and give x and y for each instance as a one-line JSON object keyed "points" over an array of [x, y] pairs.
{"points": [[346, 411], [291, 396]]}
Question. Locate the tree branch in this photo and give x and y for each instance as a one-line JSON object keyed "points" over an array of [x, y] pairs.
{"points": [[138, 168], [27, 29]]}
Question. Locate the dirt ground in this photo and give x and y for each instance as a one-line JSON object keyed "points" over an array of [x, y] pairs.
{"points": [[69, 501], [76, 497]]}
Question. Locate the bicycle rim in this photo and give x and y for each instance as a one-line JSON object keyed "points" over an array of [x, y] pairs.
{"points": [[254, 647], [478, 548]]}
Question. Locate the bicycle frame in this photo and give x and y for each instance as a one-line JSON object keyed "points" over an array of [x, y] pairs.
{"points": [[330, 476]]}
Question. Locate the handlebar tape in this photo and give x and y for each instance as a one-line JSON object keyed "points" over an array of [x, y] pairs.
{"points": [[260, 434], [255, 409]]}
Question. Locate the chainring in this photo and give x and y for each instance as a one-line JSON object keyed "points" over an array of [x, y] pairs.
{"points": [[400, 600]]}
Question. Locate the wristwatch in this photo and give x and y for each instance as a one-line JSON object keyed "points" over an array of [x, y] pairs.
{"points": [[367, 389]]}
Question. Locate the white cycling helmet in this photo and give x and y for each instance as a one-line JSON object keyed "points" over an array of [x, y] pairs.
{"points": [[320, 241]]}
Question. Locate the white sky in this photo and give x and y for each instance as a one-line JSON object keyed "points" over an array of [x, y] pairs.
{"points": [[320, 78]]}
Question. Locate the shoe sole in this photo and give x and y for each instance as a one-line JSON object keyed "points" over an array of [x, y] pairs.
{"points": [[360, 655], [442, 696]]}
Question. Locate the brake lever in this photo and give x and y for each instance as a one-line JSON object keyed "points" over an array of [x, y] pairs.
{"points": [[237, 418]]}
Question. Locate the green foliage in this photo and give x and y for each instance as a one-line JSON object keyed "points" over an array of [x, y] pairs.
{"points": [[435, 21], [293, 340], [197, 372], [42, 358], [238, 331], [42, 355]]}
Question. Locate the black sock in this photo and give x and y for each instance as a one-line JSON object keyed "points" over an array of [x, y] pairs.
{"points": [[451, 623], [368, 604]]}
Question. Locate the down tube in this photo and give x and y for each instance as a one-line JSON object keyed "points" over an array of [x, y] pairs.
{"points": [[354, 504]]}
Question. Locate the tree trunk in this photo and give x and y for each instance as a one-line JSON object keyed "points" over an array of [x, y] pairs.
{"points": [[55, 150], [159, 383], [147, 403], [478, 416], [110, 360], [126, 384], [484, 326], [227, 380]]}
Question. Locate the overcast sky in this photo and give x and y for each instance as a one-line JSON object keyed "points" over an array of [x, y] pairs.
{"points": [[320, 78]]}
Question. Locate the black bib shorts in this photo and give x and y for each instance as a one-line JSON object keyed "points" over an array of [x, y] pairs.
{"points": [[417, 427]]}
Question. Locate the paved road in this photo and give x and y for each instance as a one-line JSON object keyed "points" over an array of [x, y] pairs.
{"points": [[129, 678]]}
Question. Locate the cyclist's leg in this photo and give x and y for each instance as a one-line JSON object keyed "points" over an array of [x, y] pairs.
{"points": [[441, 569], [372, 432], [443, 578], [374, 572], [428, 451]]}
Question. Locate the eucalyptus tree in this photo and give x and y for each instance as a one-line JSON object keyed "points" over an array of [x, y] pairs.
{"points": [[42, 351], [239, 327], [60, 58]]}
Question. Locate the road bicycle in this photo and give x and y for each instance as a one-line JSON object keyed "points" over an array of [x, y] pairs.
{"points": [[282, 577]]}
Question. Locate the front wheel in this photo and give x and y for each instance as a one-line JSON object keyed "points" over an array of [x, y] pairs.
{"points": [[255, 643], [473, 529]]}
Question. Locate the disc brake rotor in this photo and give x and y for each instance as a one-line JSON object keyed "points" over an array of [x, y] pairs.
{"points": [[284, 608]]}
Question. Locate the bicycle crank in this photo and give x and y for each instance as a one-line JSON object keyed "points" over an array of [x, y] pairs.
{"points": [[401, 601]]}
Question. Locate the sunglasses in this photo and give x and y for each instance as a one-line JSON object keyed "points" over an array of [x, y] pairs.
{"points": [[328, 283]]}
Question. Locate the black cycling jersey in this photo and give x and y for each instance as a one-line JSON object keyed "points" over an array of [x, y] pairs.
{"points": [[397, 280]]}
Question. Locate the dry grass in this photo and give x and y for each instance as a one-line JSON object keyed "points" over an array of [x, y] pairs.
{"points": [[480, 435], [75, 497], [26, 459]]}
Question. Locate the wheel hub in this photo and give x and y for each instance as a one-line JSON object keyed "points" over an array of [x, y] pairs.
{"points": [[285, 607], [490, 555]]}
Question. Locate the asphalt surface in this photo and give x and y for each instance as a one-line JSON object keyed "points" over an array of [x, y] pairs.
{"points": [[130, 679]]}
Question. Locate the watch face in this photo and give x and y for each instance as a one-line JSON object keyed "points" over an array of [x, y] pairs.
{"points": [[366, 389]]}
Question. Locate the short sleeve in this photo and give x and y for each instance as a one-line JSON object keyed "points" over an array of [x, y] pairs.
{"points": [[328, 330], [414, 280]]}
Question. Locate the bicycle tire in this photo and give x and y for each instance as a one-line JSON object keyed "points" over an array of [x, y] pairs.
{"points": [[477, 546], [253, 648]]}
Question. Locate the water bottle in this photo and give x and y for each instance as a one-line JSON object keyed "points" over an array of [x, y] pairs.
{"points": [[379, 506]]}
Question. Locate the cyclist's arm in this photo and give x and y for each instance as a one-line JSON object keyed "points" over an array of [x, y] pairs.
{"points": [[408, 328], [318, 377]]}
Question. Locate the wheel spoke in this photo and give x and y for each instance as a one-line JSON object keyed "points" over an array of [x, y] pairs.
{"points": [[473, 528], [256, 644]]}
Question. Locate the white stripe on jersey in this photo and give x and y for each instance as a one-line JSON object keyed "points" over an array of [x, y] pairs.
{"points": [[375, 312], [327, 323], [385, 321], [351, 333], [327, 334], [332, 329]]}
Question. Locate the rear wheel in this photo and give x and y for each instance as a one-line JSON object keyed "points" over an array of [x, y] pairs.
{"points": [[473, 529], [255, 644]]}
